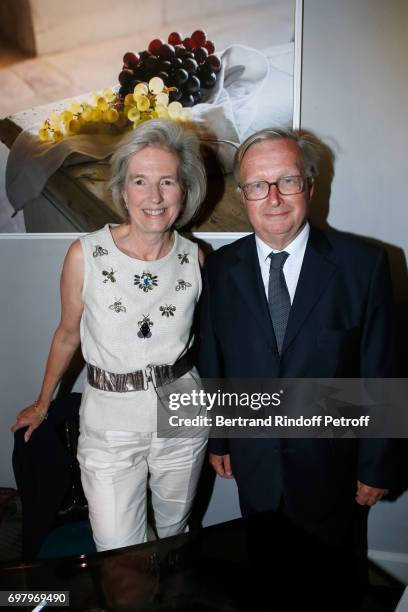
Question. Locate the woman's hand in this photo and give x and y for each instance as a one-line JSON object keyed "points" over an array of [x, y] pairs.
{"points": [[30, 417]]}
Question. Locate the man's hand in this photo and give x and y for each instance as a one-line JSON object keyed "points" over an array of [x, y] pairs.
{"points": [[221, 464], [368, 496]]}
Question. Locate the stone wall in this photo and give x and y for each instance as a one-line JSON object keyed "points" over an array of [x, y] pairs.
{"points": [[16, 25], [46, 26]]}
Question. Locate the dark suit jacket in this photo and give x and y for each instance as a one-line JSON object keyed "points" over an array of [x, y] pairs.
{"points": [[340, 325]]}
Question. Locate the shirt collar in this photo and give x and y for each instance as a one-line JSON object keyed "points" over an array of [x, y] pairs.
{"points": [[298, 243]]}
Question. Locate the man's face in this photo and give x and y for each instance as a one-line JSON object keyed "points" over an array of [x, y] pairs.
{"points": [[276, 219]]}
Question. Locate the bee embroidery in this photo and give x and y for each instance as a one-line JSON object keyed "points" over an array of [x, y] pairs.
{"points": [[146, 281], [145, 325], [99, 251], [183, 257], [109, 276], [182, 284], [117, 306], [167, 311]]}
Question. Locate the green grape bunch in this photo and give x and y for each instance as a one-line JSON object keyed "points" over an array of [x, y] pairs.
{"points": [[109, 113]]}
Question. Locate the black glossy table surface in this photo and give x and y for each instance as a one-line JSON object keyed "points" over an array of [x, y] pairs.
{"points": [[258, 564]]}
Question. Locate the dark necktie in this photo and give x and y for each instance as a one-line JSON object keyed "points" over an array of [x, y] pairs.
{"points": [[278, 296]]}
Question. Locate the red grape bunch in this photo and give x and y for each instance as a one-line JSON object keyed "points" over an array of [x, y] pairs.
{"points": [[184, 65]]}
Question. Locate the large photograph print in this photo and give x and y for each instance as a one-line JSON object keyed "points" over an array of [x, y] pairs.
{"points": [[232, 68]]}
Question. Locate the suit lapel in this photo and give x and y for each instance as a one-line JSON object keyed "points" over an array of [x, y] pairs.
{"points": [[246, 275], [317, 269]]}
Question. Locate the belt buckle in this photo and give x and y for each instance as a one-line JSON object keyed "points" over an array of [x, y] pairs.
{"points": [[147, 377]]}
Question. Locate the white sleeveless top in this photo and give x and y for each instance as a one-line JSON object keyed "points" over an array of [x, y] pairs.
{"points": [[136, 313]]}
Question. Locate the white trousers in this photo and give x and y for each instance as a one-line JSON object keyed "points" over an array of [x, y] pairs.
{"points": [[116, 467]]}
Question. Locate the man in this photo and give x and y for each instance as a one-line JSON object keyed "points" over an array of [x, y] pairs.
{"points": [[292, 301]]}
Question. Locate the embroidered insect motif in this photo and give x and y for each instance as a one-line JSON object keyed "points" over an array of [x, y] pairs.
{"points": [[109, 276], [183, 257], [117, 306], [167, 310], [145, 324], [99, 251], [146, 281], [182, 284]]}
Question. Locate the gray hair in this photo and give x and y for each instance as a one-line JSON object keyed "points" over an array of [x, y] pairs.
{"points": [[176, 139], [308, 147]]}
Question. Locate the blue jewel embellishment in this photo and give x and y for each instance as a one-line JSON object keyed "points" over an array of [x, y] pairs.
{"points": [[146, 281]]}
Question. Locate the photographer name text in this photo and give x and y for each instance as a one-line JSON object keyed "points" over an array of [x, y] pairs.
{"points": [[269, 421]]}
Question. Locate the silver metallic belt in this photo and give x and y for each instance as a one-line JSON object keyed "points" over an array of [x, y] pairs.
{"points": [[139, 381]]}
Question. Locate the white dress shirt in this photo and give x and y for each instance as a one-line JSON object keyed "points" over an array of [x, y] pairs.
{"points": [[293, 263]]}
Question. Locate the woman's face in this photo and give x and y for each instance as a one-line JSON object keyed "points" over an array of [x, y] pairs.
{"points": [[152, 191]]}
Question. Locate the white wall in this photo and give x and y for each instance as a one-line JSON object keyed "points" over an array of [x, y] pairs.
{"points": [[355, 96], [29, 307]]}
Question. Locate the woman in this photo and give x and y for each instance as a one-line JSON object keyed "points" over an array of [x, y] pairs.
{"points": [[128, 296]]}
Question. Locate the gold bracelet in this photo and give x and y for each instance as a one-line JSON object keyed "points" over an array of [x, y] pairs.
{"points": [[43, 414]]}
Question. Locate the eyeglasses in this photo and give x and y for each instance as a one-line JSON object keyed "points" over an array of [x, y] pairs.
{"points": [[286, 185]]}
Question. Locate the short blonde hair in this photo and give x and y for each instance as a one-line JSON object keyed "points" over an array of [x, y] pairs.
{"points": [[307, 146]]}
